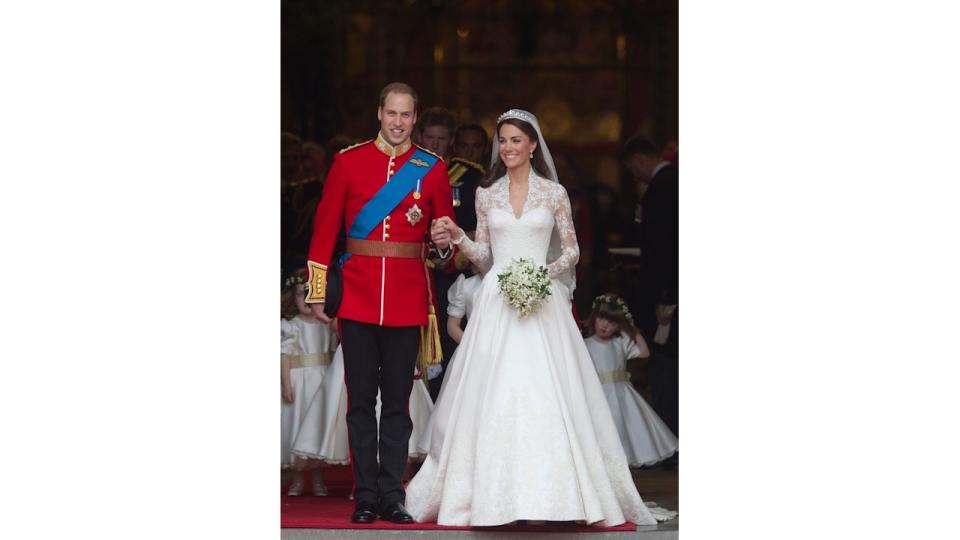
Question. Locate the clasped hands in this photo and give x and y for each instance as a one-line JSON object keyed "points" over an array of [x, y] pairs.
{"points": [[443, 230]]}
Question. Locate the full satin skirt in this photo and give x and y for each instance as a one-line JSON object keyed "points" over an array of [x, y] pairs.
{"points": [[521, 429]]}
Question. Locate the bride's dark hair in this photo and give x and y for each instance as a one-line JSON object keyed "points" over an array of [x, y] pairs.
{"points": [[499, 168]]}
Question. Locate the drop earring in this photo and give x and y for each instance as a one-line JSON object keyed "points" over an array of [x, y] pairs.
{"points": [[531, 155]]}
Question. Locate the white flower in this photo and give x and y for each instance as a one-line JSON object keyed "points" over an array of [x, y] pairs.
{"points": [[524, 286]]}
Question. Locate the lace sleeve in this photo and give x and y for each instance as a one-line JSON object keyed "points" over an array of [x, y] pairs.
{"points": [[478, 250], [563, 216]]}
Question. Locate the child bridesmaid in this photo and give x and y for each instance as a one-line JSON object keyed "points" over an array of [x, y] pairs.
{"points": [[612, 340], [305, 351]]}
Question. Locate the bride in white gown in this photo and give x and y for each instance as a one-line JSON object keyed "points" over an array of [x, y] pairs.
{"points": [[521, 429]]}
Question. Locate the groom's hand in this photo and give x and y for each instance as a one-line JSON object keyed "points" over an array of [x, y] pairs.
{"points": [[440, 233], [317, 310]]}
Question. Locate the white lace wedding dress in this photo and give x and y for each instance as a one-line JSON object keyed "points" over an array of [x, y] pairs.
{"points": [[521, 429]]}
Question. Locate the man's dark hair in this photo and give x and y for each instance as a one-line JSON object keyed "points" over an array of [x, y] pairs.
{"points": [[437, 116], [398, 88], [639, 145], [472, 127]]}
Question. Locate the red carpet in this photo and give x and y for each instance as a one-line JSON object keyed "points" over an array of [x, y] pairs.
{"points": [[333, 512]]}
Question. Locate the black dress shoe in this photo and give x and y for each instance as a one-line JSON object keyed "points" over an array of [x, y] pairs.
{"points": [[396, 513], [364, 513]]}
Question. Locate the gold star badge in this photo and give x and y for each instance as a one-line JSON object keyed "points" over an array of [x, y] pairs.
{"points": [[414, 215]]}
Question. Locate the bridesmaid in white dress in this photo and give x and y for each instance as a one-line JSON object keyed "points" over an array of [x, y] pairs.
{"points": [[514, 434], [305, 350], [612, 340]]}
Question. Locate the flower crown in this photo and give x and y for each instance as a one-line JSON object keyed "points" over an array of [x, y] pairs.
{"points": [[518, 114], [294, 280], [615, 300]]}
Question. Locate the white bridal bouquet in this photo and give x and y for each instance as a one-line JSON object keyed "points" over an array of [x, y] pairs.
{"points": [[524, 285]]}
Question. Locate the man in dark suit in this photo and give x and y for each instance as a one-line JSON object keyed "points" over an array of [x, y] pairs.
{"points": [[657, 315]]}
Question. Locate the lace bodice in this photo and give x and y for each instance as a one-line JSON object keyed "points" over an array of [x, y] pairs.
{"points": [[501, 236]]}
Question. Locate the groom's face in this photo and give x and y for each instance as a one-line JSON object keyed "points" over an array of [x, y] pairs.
{"points": [[397, 116]]}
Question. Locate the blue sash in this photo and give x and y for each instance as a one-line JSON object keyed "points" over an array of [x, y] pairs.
{"points": [[390, 195]]}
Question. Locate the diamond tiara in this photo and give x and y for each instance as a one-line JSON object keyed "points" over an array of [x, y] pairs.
{"points": [[518, 114]]}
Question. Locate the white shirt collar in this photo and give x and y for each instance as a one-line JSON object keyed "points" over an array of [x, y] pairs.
{"points": [[659, 166]]}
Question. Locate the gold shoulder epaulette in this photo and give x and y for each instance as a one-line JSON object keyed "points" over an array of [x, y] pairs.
{"points": [[430, 152], [455, 171], [352, 146], [473, 164]]}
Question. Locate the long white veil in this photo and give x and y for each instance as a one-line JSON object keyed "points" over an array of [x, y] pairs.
{"points": [[569, 276]]}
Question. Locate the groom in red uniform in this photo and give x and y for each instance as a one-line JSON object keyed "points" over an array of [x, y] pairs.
{"points": [[385, 192]]}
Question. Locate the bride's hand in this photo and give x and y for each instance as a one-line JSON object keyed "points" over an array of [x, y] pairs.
{"points": [[445, 226]]}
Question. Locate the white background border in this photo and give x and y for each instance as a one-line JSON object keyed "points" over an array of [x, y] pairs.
{"points": [[819, 274]]}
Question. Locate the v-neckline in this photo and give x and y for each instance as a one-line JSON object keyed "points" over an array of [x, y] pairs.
{"points": [[523, 207]]}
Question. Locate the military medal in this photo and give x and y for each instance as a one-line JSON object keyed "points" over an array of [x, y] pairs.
{"points": [[416, 195], [414, 214], [456, 195]]}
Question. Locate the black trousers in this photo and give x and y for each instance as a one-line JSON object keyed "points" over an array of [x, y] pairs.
{"points": [[379, 357]]}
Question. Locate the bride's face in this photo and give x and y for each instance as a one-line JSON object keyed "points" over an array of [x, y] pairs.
{"points": [[515, 146]]}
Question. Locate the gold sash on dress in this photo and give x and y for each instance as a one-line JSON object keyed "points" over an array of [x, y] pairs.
{"points": [[309, 360], [614, 376]]}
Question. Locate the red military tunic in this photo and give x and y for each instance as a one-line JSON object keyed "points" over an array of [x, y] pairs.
{"points": [[379, 290]]}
